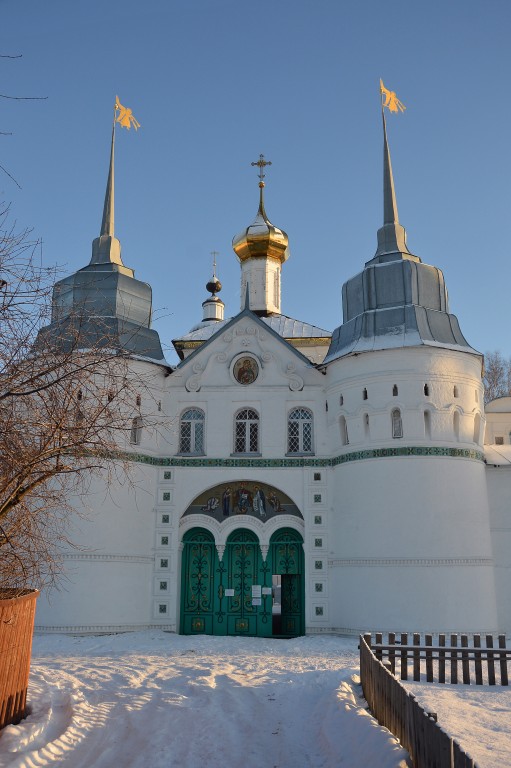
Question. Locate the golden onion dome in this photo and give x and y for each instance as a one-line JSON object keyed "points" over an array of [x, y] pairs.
{"points": [[261, 239]]}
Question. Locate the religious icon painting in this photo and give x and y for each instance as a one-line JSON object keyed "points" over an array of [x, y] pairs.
{"points": [[246, 370]]}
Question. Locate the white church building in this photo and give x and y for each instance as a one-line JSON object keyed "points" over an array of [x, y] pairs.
{"points": [[302, 481]]}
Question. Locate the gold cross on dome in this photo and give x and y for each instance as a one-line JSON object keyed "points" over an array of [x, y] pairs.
{"points": [[261, 163], [214, 254]]}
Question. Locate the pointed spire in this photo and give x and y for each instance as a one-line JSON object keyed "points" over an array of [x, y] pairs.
{"points": [[390, 214], [106, 249], [392, 236], [107, 224]]}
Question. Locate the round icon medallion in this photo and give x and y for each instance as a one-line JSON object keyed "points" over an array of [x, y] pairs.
{"points": [[246, 370]]}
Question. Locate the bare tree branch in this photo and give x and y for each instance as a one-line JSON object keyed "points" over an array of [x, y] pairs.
{"points": [[66, 414]]}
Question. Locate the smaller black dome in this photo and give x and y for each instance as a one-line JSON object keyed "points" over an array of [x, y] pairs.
{"points": [[214, 286]]}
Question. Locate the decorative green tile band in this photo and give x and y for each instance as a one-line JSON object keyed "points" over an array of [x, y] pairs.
{"points": [[375, 453]]}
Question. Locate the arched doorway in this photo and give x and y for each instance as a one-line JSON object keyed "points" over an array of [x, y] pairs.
{"points": [[199, 570], [287, 567], [243, 593]]}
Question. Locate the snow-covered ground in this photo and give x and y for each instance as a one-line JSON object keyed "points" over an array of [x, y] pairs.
{"points": [[158, 700], [478, 717]]}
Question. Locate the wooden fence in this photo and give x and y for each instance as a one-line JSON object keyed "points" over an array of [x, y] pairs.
{"points": [[17, 612], [482, 664], [396, 709]]}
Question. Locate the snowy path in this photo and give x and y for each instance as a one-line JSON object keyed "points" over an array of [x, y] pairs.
{"points": [[156, 700]]}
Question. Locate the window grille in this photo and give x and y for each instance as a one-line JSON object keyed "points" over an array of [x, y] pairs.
{"points": [[397, 423], [191, 435], [246, 431], [299, 431]]}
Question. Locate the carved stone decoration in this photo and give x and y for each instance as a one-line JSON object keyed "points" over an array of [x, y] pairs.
{"points": [[227, 337], [220, 548], [221, 357], [264, 550], [266, 357], [295, 384], [295, 381], [193, 384]]}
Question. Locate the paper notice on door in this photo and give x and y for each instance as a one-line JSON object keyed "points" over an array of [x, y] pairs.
{"points": [[229, 592], [256, 601], [266, 590], [256, 590]]}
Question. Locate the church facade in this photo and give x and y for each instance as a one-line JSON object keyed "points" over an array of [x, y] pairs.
{"points": [[301, 481]]}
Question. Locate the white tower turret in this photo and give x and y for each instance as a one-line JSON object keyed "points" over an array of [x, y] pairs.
{"points": [[412, 536]]}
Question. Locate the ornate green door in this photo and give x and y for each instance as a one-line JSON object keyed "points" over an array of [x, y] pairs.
{"points": [[248, 609], [199, 566], [233, 596], [286, 553]]}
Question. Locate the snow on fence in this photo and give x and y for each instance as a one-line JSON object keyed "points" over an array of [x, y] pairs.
{"points": [[483, 664], [396, 709]]}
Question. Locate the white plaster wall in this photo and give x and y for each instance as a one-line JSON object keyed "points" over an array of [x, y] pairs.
{"points": [[107, 574], [499, 495], [410, 546], [409, 369]]}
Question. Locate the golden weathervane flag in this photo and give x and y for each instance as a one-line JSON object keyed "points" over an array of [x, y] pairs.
{"points": [[125, 116], [390, 100]]}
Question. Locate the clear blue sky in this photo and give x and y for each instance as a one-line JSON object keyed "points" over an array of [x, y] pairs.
{"points": [[216, 82]]}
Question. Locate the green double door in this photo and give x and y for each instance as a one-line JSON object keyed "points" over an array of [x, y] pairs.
{"points": [[242, 594]]}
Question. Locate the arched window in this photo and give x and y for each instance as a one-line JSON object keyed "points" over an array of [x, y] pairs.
{"points": [[344, 431], [456, 424], [191, 432], [246, 431], [299, 431], [455, 391], [341, 400], [394, 390], [427, 424], [477, 427], [364, 394], [397, 423], [136, 431], [426, 390]]}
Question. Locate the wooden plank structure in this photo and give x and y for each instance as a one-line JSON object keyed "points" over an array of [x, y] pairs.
{"points": [[479, 665], [396, 709], [17, 613]]}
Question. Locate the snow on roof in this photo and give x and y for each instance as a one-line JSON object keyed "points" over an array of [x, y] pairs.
{"points": [[287, 327], [498, 455]]}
